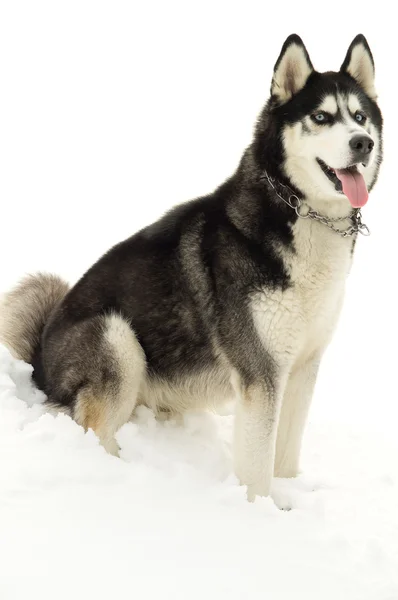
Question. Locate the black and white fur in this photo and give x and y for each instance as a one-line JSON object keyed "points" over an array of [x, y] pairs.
{"points": [[228, 295]]}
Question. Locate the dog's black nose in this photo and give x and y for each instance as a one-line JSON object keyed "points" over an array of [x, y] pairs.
{"points": [[361, 146]]}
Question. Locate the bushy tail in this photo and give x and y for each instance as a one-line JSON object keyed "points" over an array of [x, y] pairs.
{"points": [[25, 310]]}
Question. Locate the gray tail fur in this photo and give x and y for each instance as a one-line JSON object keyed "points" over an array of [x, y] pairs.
{"points": [[25, 310]]}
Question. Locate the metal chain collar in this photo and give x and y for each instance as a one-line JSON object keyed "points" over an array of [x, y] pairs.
{"points": [[304, 211]]}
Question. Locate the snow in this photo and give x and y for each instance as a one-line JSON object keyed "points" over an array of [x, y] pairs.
{"points": [[113, 112], [169, 518]]}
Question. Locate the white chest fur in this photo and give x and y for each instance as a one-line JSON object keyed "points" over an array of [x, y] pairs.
{"points": [[298, 322]]}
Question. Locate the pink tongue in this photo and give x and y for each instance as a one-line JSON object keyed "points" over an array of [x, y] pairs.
{"points": [[354, 187]]}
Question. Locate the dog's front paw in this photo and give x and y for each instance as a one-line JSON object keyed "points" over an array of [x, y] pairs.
{"points": [[296, 493], [260, 489]]}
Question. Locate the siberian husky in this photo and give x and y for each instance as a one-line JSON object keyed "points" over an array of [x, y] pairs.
{"points": [[235, 294]]}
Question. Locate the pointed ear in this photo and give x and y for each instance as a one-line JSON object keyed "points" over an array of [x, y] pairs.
{"points": [[359, 64], [292, 70]]}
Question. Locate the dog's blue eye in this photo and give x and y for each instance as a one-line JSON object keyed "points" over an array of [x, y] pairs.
{"points": [[360, 117], [320, 117]]}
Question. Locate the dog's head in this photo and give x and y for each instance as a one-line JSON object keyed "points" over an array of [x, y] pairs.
{"points": [[325, 127]]}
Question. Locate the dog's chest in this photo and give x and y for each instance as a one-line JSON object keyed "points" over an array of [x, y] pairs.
{"points": [[297, 322]]}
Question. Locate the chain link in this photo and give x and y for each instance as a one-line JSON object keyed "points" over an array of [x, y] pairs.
{"points": [[304, 211]]}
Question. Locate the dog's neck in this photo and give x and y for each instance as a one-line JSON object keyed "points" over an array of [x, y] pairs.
{"points": [[265, 165], [267, 196], [287, 192], [329, 207]]}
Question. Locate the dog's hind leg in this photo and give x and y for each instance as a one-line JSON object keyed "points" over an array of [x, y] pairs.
{"points": [[107, 399]]}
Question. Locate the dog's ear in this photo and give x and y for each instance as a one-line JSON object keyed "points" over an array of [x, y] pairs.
{"points": [[291, 71], [359, 64]]}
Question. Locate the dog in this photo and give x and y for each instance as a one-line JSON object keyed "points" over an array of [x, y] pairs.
{"points": [[231, 295]]}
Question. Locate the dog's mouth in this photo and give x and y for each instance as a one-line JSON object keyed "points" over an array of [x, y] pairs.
{"points": [[349, 182]]}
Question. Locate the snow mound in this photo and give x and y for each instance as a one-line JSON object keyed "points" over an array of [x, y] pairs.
{"points": [[169, 520]]}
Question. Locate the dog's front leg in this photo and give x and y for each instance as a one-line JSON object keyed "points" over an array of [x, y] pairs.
{"points": [[256, 425], [296, 402]]}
